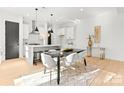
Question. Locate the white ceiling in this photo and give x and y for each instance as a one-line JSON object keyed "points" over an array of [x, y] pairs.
{"points": [[60, 13]]}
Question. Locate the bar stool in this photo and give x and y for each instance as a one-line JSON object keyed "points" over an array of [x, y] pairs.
{"points": [[37, 57]]}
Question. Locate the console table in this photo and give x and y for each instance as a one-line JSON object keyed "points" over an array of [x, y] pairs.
{"points": [[96, 52]]}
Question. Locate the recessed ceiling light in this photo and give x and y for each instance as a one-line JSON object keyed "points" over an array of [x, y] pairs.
{"points": [[81, 9]]}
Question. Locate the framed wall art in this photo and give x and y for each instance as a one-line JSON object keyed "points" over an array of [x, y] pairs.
{"points": [[97, 34]]}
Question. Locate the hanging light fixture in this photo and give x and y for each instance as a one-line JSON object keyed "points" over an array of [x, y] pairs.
{"points": [[36, 28], [51, 30]]}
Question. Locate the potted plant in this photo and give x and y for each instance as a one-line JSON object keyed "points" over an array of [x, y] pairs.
{"points": [[90, 42]]}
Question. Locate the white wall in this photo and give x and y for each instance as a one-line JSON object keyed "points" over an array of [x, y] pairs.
{"points": [[82, 32], [112, 34], [8, 17]]}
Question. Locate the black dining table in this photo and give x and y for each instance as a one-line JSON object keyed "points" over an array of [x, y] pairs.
{"points": [[60, 54]]}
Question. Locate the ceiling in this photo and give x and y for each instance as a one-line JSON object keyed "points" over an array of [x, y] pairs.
{"points": [[60, 13]]}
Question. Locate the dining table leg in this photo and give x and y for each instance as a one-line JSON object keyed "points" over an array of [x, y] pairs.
{"points": [[58, 70]]}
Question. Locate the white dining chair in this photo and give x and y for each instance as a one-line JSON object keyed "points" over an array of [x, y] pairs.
{"points": [[49, 63], [71, 59], [81, 58], [53, 50], [81, 55]]}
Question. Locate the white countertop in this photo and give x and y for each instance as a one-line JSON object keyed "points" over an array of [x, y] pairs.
{"points": [[41, 45]]}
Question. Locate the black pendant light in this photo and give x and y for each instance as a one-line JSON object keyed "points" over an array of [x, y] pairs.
{"points": [[51, 30], [36, 28]]}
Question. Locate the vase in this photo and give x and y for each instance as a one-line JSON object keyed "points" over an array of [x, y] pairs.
{"points": [[90, 43]]}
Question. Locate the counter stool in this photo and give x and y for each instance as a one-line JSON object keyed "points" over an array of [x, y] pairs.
{"points": [[37, 57]]}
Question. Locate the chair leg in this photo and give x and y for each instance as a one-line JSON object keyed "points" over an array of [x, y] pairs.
{"points": [[85, 68], [85, 62], [44, 70], [50, 76], [85, 65]]}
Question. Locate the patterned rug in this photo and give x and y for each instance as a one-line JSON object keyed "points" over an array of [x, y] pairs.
{"points": [[75, 75]]}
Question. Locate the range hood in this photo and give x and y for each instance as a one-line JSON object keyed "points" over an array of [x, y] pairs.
{"points": [[34, 36]]}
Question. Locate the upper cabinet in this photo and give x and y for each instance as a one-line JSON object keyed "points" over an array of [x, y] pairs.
{"points": [[66, 36], [61, 32], [70, 32]]}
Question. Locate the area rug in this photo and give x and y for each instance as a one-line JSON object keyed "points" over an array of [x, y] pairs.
{"points": [[76, 75]]}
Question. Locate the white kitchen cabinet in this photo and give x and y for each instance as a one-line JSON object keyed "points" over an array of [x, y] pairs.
{"points": [[70, 32], [66, 36]]}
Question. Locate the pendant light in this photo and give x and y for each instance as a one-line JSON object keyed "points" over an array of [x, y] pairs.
{"points": [[51, 30], [36, 28]]}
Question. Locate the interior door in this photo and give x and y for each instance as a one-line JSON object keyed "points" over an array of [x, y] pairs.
{"points": [[12, 40]]}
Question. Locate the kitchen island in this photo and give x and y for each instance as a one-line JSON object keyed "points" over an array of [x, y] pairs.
{"points": [[30, 49]]}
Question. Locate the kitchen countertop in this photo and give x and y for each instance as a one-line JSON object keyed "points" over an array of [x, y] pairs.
{"points": [[41, 45]]}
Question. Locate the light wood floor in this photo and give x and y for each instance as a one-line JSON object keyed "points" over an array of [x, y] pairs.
{"points": [[12, 69], [112, 72]]}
